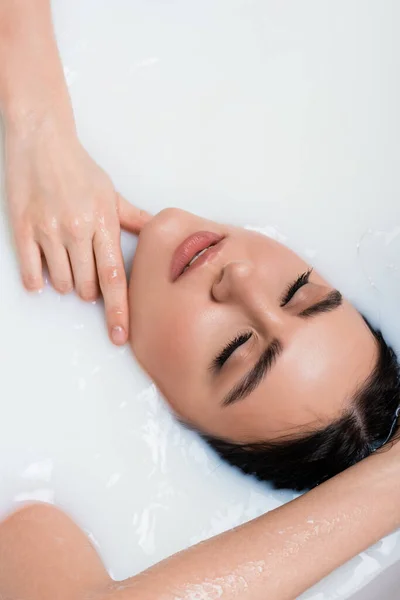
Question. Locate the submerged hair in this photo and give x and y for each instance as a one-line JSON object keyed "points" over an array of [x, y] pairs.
{"points": [[303, 462]]}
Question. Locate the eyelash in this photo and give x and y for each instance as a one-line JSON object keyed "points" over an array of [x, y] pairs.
{"points": [[242, 338], [233, 345], [294, 287]]}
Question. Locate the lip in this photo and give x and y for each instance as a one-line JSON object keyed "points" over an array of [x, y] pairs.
{"points": [[190, 247]]}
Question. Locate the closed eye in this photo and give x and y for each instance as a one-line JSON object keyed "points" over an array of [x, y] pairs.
{"points": [[229, 349], [294, 287]]}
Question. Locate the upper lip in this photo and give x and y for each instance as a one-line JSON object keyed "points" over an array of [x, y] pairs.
{"points": [[188, 249]]}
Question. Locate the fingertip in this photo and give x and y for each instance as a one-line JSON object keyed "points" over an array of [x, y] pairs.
{"points": [[118, 335], [32, 283], [145, 218], [89, 292], [30, 262], [63, 287], [132, 218]]}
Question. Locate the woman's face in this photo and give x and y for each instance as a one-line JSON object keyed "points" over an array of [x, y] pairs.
{"points": [[246, 344]]}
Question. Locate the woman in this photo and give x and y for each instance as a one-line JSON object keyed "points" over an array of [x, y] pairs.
{"points": [[272, 365], [253, 304], [64, 206]]}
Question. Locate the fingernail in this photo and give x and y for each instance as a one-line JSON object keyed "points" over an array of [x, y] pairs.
{"points": [[118, 335]]}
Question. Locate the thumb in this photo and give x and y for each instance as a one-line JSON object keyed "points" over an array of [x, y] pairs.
{"points": [[131, 218]]}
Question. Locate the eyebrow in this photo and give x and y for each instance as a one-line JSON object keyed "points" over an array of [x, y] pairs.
{"points": [[256, 375], [333, 300]]}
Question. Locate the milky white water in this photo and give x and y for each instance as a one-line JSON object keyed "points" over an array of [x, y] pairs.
{"points": [[279, 115]]}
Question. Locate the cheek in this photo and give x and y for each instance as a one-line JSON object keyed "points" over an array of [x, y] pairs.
{"points": [[169, 341], [173, 351]]}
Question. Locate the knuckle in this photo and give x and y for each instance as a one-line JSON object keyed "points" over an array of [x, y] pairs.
{"points": [[113, 276], [115, 314], [88, 291], [75, 228], [47, 228], [22, 232]]}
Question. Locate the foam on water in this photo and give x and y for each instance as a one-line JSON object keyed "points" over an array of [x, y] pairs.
{"points": [[276, 115]]}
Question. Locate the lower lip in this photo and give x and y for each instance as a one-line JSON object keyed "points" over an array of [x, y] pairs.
{"points": [[190, 247]]}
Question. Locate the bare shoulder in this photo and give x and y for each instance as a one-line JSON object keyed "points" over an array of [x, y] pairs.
{"points": [[44, 554], [32, 516]]}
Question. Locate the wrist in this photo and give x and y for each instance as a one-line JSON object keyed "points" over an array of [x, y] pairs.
{"points": [[33, 91], [27, 113]]}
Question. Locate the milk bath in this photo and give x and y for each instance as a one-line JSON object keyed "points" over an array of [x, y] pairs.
{"points": [[279, 116]]}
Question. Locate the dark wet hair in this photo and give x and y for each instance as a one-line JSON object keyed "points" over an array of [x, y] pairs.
{"points": [[302, 463]]}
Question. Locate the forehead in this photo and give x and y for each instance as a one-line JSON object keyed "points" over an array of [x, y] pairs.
{"points": [[324, 362]]}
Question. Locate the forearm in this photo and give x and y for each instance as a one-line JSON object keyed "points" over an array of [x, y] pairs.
{"points": [[286, 551], [32, 81], [277, 556]]}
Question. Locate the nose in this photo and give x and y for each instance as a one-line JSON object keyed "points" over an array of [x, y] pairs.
{"points": [[233, 282], [240, 285]]}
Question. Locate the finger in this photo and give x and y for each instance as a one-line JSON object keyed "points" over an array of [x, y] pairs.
{"points": [[112, 278], [59, 266], [84, 270], [30, 263], [131, 218]]}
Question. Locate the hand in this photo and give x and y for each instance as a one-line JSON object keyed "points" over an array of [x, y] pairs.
{"points": [[63, 206]]}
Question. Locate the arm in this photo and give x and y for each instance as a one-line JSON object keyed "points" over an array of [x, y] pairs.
{"points": [[278, 555], [32, 84], [283, 553], [61, 203]]}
